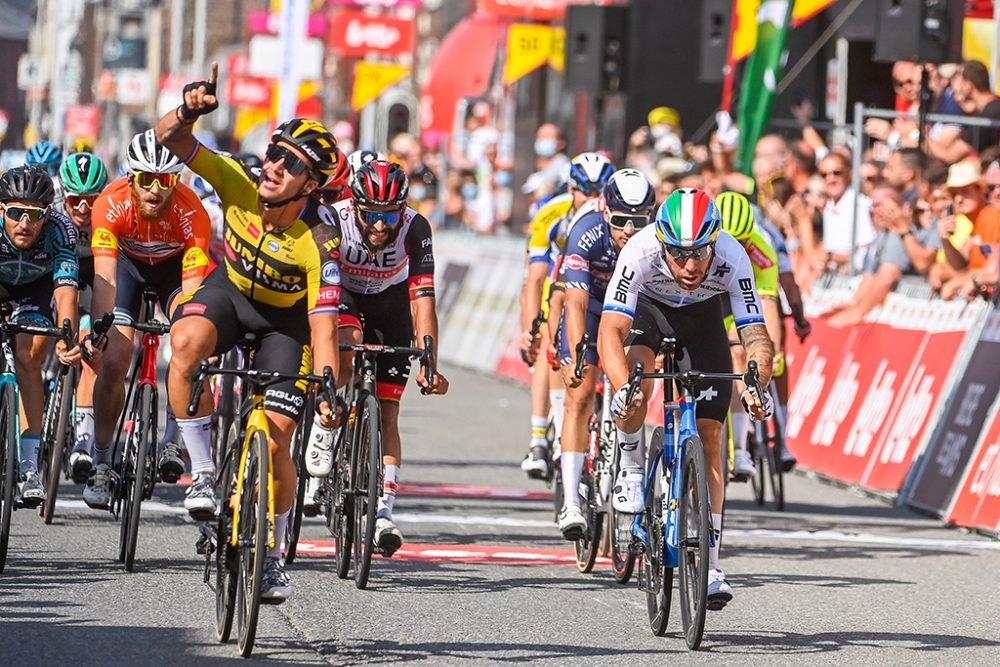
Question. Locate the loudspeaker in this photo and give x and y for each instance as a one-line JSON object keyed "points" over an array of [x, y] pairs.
{"points": [[928, 31], [596, 48], [716, 18]]}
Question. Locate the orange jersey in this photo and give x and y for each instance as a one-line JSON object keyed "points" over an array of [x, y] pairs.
{"points": [[185, 228]]}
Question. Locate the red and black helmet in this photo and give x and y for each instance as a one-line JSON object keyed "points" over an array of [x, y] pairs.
{"points": [[379, 183]]}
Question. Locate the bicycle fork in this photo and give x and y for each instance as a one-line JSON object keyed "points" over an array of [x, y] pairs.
{"points": [[257, 422]]}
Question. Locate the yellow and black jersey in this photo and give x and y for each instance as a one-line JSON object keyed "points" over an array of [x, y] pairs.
{"points": [[274, 267]]}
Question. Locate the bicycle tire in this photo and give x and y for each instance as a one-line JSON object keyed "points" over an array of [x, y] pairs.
{"points": [[340, 512], [11, 464], [226, 556], [142, 437], [758, 454], [225, 408], [657, 575], [369, 470], [622, 557], [56, 438], [299, 439], [693, 516], [776, 452], [586, 548], [253, 539]]}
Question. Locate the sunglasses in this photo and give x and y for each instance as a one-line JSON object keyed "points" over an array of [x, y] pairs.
{"points": [[146, 180], [899, 84], [619, 221], [700, 253], [80, 203], [293, 164], [833, 172], [388, 218], [29, 213]]}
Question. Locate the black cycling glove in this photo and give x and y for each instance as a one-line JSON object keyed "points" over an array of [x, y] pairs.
{"points": [[190, 114]]}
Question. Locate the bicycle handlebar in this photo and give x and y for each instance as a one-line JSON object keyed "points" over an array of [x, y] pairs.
{"points": [[257, 378], [690, 378], [428, 363], [634, 382]]}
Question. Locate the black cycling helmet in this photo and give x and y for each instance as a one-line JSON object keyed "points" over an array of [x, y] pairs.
{"points": [[379, 183], [312, 138], [27, 183]]}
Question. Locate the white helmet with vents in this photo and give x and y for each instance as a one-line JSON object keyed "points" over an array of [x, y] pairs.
{"points": [[147, 154]]}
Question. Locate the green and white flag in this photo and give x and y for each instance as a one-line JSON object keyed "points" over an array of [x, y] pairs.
{"points": [[760, 78]]}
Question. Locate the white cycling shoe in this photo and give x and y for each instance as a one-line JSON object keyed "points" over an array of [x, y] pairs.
{"points": [[572, 523], [720, 593], [743, 467], [627, 496], [319, 451]]}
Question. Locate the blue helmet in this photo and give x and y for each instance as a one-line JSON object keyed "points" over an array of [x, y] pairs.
{"points": [[45, 155], [589, 172]]}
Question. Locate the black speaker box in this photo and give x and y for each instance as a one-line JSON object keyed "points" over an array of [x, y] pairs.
{"points": [[928, 31], [596, 48]]}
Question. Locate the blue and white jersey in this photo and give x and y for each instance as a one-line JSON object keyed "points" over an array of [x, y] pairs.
{"points": [[53, 253], [642, 269], [589, 260]]}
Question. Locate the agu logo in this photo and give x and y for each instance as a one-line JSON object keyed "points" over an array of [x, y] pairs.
{"points": [[330, 273]]}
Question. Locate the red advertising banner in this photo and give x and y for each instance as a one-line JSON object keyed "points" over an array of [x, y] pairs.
{"points": [[83, 121], [250, 91], [978, 503], [355, 33], [263, 22], [861, 398], [525, 9]]}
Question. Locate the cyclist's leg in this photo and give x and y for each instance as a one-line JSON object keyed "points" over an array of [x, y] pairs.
{"points": [[743, 467], [167, 283], [81, 458], [557, 390], [536, 463]]}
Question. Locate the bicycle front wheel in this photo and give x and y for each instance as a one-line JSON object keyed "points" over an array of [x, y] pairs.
{"points": [[622, 556], [10, 465], [299, 441], [586, 548], [253, 534], [658, 579], [368, 472], [693, 541], [142, 445], [227, 559], [340, 511], [54, 439]]}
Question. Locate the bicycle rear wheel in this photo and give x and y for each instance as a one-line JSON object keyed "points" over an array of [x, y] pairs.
{"points": [[137, 479], [227, 558], [658, 578], [10, 465], [693, 540], [368, 472], [54, 439], [299, 440], [758, 452], [586, 548], [774, 459], [226, 406], [340, 512], [253, 534]]}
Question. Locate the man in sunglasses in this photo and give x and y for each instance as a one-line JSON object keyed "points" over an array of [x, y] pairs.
{"points": [[150, 231], [38, 267], [670, 281], [281, 282], [83, 176], [592, 249], [387, 274]]}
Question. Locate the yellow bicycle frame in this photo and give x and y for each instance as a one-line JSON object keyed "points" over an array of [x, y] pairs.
{"points": [[257, 421]]}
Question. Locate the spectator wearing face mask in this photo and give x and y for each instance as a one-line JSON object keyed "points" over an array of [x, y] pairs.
{"points": [[665, 131]]}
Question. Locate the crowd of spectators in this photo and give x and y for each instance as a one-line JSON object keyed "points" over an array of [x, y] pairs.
{"points": [[927, 203]]}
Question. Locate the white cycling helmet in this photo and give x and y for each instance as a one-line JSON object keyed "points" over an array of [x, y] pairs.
{"points": [[358, 159], [146, 154], [589, 172]]}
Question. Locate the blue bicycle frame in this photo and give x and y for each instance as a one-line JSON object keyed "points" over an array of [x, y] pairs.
{"points": [[8, 377]]}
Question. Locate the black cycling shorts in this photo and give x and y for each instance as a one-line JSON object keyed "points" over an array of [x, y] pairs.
{"points": [[133, 277], [700, 333], [31, 303], [282, 336], [385, 318]]}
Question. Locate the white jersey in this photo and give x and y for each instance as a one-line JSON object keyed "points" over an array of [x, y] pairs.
{"points": [[641, 269], [408, 258]]}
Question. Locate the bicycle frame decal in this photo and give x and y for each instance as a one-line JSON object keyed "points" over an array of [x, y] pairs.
{"points": [[256, 421], [151, 346]]}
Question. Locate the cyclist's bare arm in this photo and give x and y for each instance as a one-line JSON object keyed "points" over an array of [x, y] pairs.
{"points": [[176, 133], [425, 323], [531, 299], [325, 349], [759, 347], [575, 304], [611, 334], [67, 308]]}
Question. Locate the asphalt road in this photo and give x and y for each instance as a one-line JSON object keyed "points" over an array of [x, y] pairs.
{"points": [[485, 576]]}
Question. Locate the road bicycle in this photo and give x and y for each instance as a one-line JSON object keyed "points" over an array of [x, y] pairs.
{"points": [[356, 484], [10, 421], [244, 528], [674, 531], [298, 452]]}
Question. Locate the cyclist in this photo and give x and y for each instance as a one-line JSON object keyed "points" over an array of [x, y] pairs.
{"points": [[38, 267], [83, 176], [151, 231], [281, 282], [387, 274], [592, 249], [738, 220], [48, 156], [668, 282], [588, 174]]}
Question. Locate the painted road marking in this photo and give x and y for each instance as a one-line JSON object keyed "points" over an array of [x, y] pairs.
{"points": [[452, 491], [463, 553]]}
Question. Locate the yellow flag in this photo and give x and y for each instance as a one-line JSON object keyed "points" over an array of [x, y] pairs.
{"points": [[557, 57], [745, 30], [372, 79], [528, 48]]}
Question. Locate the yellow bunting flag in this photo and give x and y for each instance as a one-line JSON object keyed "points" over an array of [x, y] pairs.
{"points": [[372, 79], [529, 46], [557, 57]]}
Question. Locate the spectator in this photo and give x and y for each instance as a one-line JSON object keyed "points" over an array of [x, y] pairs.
{"points": [[886, 262], [406, 150], [969, 235], [902, 171], [972, 88], [871, 176], [901, 131], [840, 228], [551, 161], [665, 131], [800, 165], [993, 182]]}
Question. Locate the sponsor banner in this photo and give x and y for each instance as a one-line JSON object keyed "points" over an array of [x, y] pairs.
{"points": [[262, 22], [253, 92], [861, 399], [355, 33], [968, 413], [978, 502], [382, 4], [266, 58], [525, 9], [83, 121]]}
